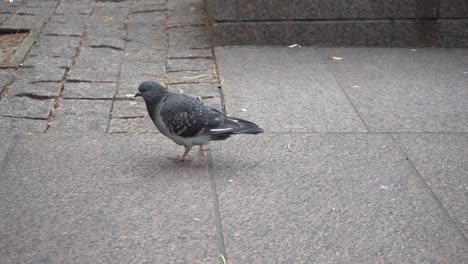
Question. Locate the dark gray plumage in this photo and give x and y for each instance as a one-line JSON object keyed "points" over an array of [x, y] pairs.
{"points": [[187, 121]]}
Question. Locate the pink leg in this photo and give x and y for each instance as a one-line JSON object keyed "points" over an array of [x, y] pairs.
{"points": [[202, 151], [181, 158]]}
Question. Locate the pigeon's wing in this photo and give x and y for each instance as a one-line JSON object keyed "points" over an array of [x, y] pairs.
{"points": [[186, 116]]}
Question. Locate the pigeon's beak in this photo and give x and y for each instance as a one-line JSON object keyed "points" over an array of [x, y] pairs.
{"points": [[138, 94]]}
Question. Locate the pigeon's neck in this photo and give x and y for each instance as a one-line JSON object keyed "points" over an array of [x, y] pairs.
{"points": [[151, 105]]}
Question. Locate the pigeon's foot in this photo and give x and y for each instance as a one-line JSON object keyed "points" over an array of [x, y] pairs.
{"points": [[178, 158], [202, 151]]}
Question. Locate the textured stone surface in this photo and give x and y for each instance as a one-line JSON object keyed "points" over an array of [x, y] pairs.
{"points": [[47, 89], [189, 37], [49, 73], [104, 199], [81, 116], [340, 23], [328, 198], [138, 125], [189, 65], [179, 53], [41, 61], [129, 108], [75, 30], [402, 90], [284, 90], [145, 54], [132, 69], [453, 8], [5, 75], [56, 46], [25, 21], [195, 89], [25, 107], [89, 90], [94, 75], [105, 42], [22, 125], [442, 160], [7, 139], [105, 59]]}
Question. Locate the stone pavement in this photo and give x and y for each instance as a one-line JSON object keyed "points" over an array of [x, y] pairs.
{"points": [[364, 158]]}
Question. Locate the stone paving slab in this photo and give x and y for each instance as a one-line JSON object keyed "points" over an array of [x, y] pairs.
{"points": [[442, 160], [81, 116], [89, 90], [404, 90], [22, 125], [104, 199], [339, 198], [284, 90], [25, 107]]}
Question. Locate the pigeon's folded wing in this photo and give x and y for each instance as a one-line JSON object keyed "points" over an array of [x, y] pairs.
{"points": [[188, 117]]}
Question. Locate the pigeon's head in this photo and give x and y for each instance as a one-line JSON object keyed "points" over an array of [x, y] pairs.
{"points": [[151, 91]]}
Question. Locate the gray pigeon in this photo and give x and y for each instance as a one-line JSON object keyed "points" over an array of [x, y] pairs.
{"points": [[187, 121]]}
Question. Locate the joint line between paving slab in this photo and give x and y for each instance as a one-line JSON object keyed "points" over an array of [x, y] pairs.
{"points": [[215, 64], [216, 211], [66, 75], [431, 193], [6, 158], [346, 95], [119, 75]]}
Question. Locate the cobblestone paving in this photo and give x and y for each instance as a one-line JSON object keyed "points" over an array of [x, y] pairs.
{"points": [[85, 67]]}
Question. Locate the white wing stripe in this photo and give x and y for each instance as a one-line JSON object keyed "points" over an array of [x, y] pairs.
{"points": [[220, 129]]}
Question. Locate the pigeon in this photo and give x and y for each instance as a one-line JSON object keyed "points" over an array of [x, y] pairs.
{"points": [[187, 121]]}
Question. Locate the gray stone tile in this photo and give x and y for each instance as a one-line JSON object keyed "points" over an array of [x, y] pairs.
{"points": [[131, 69], [7, 138], [129, 108], [55, 28], [104, 30], [174, 65], [402, 90], [180, 53], [22, 125], [189, 37], [195, 89], [88, 90], [101, 199], [5, 76], [453, 8], [41, 89], [25, 107], [105, 42], [57, 46], [94, 75], [145, 55], [328, 198], [73, 9], [225, 10], [139, 125], [129, 87], [48, 73], [442, 160], [155, 18], [186, 20], [25, 21], [284, 89], [189, 77], [42, 60], [105, 59], [81, 116]]}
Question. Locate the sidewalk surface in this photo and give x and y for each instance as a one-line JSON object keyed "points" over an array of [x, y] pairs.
{"points": [[364, 158]]}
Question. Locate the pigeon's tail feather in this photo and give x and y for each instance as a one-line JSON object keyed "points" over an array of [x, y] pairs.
{"points": [[234, 125]]}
